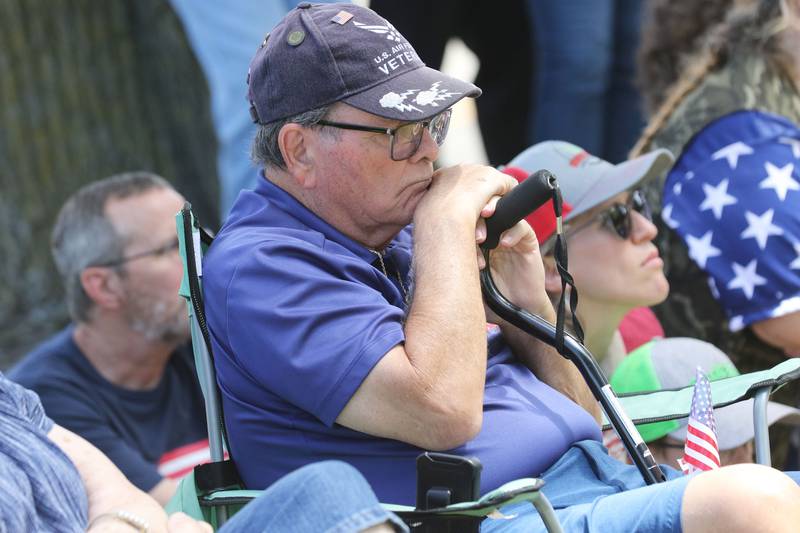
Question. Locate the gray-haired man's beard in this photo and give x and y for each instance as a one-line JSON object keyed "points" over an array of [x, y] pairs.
{"points": [[159, 321]]}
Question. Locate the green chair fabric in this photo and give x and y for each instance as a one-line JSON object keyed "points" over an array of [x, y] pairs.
{"points": [[674, 404], [663, 405]]}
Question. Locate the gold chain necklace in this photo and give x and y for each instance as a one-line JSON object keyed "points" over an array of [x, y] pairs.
{"points": [[397, 274]]}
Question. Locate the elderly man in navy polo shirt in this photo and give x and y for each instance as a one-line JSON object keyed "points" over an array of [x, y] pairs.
{"points": [[345, 309]]}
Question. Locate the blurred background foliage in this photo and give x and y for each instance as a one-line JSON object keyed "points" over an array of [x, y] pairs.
{"points": [[87, 89]]}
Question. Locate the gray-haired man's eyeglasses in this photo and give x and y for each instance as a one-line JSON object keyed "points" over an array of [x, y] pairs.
{"points": [[405, 139]]}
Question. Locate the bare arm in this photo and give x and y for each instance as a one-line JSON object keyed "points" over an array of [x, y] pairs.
{"points": [[107, 490], [429, 391]]}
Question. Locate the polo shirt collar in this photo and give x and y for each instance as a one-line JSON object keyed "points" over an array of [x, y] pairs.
{"points": [[287, 203]]}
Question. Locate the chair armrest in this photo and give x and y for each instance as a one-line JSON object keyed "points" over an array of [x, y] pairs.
{"points": [[520, 490], [672, 404]]}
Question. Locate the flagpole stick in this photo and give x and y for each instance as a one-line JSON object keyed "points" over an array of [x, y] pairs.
{"points": [[586, 364]]}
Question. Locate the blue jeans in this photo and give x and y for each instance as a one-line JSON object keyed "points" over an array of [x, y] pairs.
{"points": [[330, 496], [593, 493], [585, 64]]}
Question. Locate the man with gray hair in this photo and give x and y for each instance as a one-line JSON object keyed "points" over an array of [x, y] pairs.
{"points": [[343, 301], [122, 375]]}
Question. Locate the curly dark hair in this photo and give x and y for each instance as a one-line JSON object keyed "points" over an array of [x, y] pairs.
{"points": [[673, 30], [750, 25]]}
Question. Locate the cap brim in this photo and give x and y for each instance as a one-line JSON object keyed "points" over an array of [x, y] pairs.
{"points": [[623, 177], [415, 95], [735, 422]]}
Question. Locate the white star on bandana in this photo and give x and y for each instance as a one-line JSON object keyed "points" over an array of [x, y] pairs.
{"points": [[794, 143], [700, 250], [732, 152], [779, 179], [745, 278], [760, 227], [717, 198], [796, 262], [666, 216]]}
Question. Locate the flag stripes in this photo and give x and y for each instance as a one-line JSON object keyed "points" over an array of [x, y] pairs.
{"points": [[701, 450]]}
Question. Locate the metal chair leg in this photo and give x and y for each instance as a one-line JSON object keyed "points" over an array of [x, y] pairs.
{"points": [[761, 427], [547, 513]]}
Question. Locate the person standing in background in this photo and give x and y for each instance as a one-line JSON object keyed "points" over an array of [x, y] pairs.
{"points": [[584, 77], [223, 40]]}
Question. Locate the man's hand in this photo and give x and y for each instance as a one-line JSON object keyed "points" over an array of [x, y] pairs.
{"points": [[182, 523], [516, 265], [462, 191]]}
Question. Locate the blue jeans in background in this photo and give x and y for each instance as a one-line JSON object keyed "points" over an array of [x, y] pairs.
{"points": [[224, 41], [584, 92]]}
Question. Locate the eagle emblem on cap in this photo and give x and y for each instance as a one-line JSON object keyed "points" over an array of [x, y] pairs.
{"points": [[387, 29], [432, 95], [398, 101]]}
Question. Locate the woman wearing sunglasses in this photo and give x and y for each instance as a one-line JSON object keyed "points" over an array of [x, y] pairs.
{"points": [[614, 263]]}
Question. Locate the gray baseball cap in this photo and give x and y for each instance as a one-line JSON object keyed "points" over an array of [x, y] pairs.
{"points": [[671, 363], [586, 180], [325, 53]]}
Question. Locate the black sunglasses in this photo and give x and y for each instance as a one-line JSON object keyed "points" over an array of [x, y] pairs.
{"points": [[617, 218], [405, 139]]}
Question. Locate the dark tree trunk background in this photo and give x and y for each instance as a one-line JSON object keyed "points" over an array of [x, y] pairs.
{"points": [[87, 89]]}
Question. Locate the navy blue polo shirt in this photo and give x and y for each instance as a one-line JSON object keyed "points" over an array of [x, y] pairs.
{"points": [[300, 314]]}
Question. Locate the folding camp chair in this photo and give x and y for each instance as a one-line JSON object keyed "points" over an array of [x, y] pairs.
{"points": [[673, 404], [213, 491]]}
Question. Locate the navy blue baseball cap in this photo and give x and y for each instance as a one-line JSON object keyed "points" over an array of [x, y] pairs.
{"points": [[325, 53]]}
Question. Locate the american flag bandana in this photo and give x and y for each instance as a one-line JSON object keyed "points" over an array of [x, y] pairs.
{"points": [[701, 451], [734, 198]]}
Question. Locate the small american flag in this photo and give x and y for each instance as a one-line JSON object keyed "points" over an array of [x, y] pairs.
{"points": [[701, 451], [341, 17]]}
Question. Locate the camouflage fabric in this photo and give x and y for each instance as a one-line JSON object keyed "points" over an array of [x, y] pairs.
{"points": [[746, 81]]}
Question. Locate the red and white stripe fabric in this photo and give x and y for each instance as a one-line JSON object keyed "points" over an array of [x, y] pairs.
{"points": [[615, 447], [176, 463], [701, 451]]}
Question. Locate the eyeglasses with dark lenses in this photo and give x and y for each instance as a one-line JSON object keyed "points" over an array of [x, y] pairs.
{"points": [[618, 216], [405, 139]]}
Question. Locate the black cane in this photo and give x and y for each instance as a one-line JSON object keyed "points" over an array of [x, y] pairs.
{"points": [[511, 208]]}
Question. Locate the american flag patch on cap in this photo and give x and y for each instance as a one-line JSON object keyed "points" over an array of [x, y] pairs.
{"points": [[341, 17]]}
